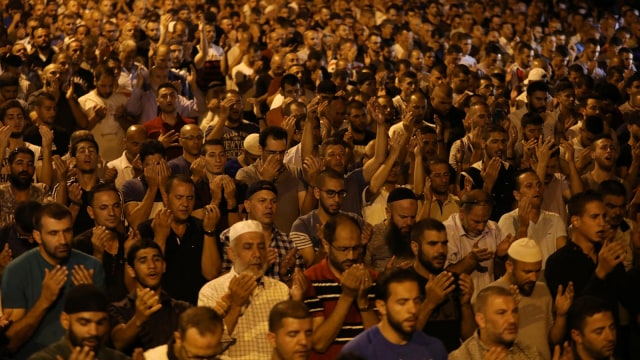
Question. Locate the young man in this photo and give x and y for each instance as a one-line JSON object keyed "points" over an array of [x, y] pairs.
{"points": [[33, 307], [147, 317], [86, 322], [593, 329], [398, 300], [290, 328]]}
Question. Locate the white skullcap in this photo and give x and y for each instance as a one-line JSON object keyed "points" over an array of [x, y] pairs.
{"points": [[526, 250], [252, 145], [243, 227], [536, 74]]}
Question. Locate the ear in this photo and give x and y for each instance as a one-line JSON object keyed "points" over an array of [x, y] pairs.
{"points": [[480, 320], [576, 336], [65, 320], [130, 271], [37, 236], [326, 245], [316, 192], [509, 265], [575, 221], [415, 248], [382, 307], [90, 212], [271, 338], [231, 254], [176, 335], [387, 212], [516, 195]]}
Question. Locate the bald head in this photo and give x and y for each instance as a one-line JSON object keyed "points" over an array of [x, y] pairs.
{"points": [[134, 137], [190, 129]]}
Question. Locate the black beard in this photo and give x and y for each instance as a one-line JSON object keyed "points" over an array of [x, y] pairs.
{"points": [[18, 183], [428, 265], [399, 244]]}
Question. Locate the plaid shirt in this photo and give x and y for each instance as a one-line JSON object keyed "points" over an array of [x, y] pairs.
{"points": [[279, 241]]}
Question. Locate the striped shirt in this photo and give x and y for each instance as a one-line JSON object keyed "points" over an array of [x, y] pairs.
{"points": [[322, 297]]}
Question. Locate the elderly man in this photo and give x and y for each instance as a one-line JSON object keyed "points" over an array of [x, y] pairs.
{"points": [[248, 294]]}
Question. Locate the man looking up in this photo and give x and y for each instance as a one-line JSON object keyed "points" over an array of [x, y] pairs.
{"points": [[33, 307]]}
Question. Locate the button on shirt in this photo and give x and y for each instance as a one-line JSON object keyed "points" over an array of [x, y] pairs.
{"points": [[461, 244], [253, 324]]}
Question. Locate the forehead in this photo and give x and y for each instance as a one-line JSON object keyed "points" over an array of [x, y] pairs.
{"points": [[23, 157], [51, 223], [106, 196], [289, 323], [214, 148], [263, 194], [147, 252], [528, 177], [614, 199], [181, 187], [250, 238]]}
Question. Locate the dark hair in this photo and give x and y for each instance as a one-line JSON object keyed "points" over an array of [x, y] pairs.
{"points": [[428, 224], [394, 276], [274, 132], [484, 294], [51, 210], [612, 188], [151, 147], [437, 161], [103, 70], [137, 246], [211, 142], [593, 124], [178, 178], [579, 201], [460, 69], [531, 118], [80, 139], [287, 309], [490, 129], [8, 79], [333, 223], [289, 79], [24, 214], [584, 307], [103, 187], [202, 318], [12, 104], [20, 150], [41, 97], [328, 173], [166, 85], [332, 141], [536, 86]]}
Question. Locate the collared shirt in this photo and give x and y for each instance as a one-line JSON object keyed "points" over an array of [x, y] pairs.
{"points": [[156, 127], [474, 349], [253, 324], [107, 132], [442, 211], [124, 168], [321, 297], [460, 244], [159, 327], [183, 255], [8, 202], [545, 232], [279, 241]]}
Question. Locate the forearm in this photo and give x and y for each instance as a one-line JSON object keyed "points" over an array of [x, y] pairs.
{"points": [[380, 177], [425, 212], [468, 323], [231, 320], [326, 333], [22, 330], [558, 330], [142, 212], [369, 318], [306, 142], [125, 334], [218, 128], [61, 192], [465, 266], [46, 174], [575, 183], [418, 175], [78, 115], [424, 313], [210, 261], [522, 232]]}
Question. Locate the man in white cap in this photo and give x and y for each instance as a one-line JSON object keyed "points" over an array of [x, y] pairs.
{"points": [[535, 307], [248, 294]]}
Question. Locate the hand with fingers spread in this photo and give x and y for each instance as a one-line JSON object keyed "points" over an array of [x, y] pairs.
{"points": [[80, 275], [439, 287], [350, 282], [524, 211], [241, 287], [490, 171], [53, 281], [466, 288], [147, 303], [611, 255], [47, 136], [311, 167], [503, 246], [168, 138], [544, 149], [269, 169], [197, 169], [60, 166], [151, 176], [564, 299], [161, 224]]}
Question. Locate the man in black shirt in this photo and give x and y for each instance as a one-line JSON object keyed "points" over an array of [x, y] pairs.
{"points": [[446, 313]]}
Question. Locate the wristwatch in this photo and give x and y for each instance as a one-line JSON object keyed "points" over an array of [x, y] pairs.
{"points": [[210, 232]]}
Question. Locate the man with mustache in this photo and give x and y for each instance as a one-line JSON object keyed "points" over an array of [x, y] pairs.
{"points": [[604, 154], [446, 313], [496, 313], [339, 292], [248, 294], [33, 284], [589, 260], [20, 186], [391, 238], [593, 329], [87, 323], [535, 306], [399, 300], [290, 329], [148, 316]]}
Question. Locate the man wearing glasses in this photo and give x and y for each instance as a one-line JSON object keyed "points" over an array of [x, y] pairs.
{"points": [[330, 193], [339, 295]]}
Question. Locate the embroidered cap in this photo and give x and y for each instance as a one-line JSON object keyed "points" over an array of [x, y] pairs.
{"points": [[244, 227], [526, 250]]}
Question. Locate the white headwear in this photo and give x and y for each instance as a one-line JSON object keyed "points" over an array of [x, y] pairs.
{"points": [[243, 227], [526, 250]]}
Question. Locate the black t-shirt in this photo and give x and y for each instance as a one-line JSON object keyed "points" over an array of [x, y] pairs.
{"points": [[502, 191], [444, 322]]}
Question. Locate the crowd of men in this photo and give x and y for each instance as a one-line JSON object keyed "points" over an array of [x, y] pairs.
{"points": [[309, 180]]}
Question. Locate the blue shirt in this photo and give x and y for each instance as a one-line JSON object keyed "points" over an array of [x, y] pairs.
{"points": [[372, 345], [22, 286]]}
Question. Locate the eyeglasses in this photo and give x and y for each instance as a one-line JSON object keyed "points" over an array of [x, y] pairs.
{"points": [[191, 137], [332, 193], [346, 249]]}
